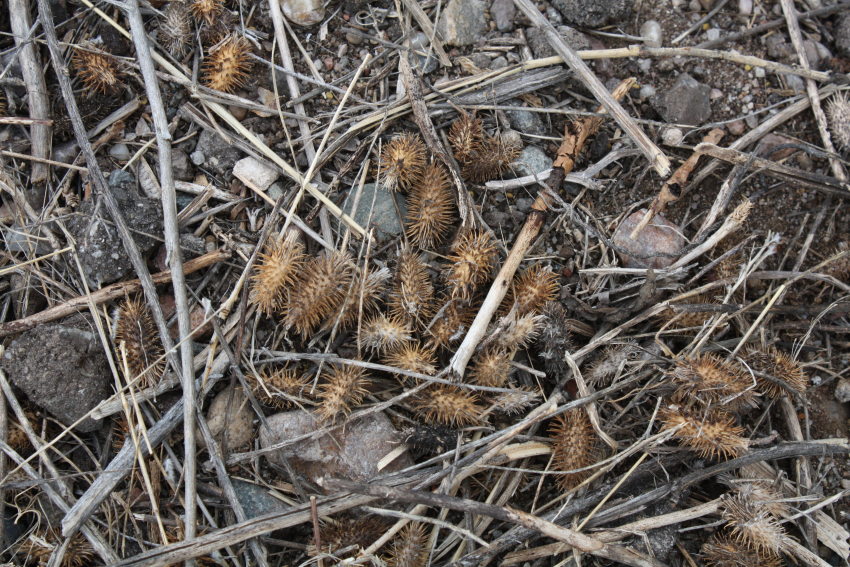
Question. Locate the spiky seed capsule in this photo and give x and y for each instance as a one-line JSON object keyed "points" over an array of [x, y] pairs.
{"points": [[519, 332], [575, 445], [840, 268], [450, 326], [363, 298], [413, 292], [402, 162], [494, 158], [760, 493], [430, 208], [448, 405], [753, 527], [711, 434], [275, 272], [412, 357], [724, 551], [382, 333], [516, 401], [98, 70], [471, 262], [532, 290], [685, 316], [2, 103], [709, 380], [491, 367], [274, 388], [17, 437], [787, 373], [838, 111], [348, 532], [409, 548], [610, 362], [135, 329], [227, 64], [465, 135], [319, 292], [175, 29], [39, 547], [426, 440], [344, 388], [207, 11], [555, 337]]}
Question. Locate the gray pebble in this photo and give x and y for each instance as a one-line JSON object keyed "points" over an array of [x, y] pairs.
{"points": [[120, 152], [198, 157], [712, 34], [499, 63], [651, 33], [503, 13]]}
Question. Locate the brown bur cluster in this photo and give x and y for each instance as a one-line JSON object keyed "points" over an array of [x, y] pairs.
{"points": [[137, 343], [97, 70], [482, 157]]}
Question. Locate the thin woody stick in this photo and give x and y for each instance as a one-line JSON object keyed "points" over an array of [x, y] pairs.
{"points": [[672, 188]]}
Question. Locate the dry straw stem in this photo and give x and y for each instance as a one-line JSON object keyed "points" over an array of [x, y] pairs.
{"points": [[733, 222]]}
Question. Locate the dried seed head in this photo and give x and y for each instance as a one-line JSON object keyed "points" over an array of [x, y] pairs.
{"points": [[98, 70], [450, 325], [17, 437], [382, 333], [2, 103], [759, 493], [711, 434], [276, 388], [413, 292], [516, 401], [465, 136], [491, 367], [412, 357], [494, 158], [319, 292], [709, 380], [402, 162], [752, 526], [175, 29], [741, 212], [686, 313], [348, 532], [227, 64], [39, 547], [409, 548], [532, 290], [555, 337], [207, 11], [344, 388], [519, 331], [133, 327], [430, 208], [840, 268], [471, 263], [426, 440], [611, 362], [724, 551], [274, 273], [784, 373], [838, 111], [575, 445], [448, 405], [363, 298]]}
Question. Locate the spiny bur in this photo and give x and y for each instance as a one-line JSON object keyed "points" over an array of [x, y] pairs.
{"points": [[575, 445], [430, 208], [40, 546], [491, 367], [724, 551], [402, 162], [611, 362], [711, 433], [494, 158], [207, 11], [687, 314], [450, 324], [97, 70], [532, 289], [133, 327], [753, 526], [348, 532], [382, 333], [274, 274], [319, 292], [2, 103], [413, 291], [840, 268], [448, 405], [555, 337], [516, 401], [780, 373], [412, 357], [838, 111], [465, 136], [276, 387], [519, 332], [409, 548], [175, 29], [470, 263], [227, 64], [344, 387], [712, 381], [364, 298]]}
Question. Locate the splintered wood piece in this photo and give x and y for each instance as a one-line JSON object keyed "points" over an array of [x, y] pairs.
{"points": [[672, 188]]}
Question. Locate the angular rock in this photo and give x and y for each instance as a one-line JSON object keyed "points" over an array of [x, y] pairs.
{"points": [[256, 500], [541, 47], [351, 452], [842, 34], [526, 122], [424, 58], [686, 102], [61, 368], [255, 172], [100, 249], [842, 390], [503, 13], [219, 156], [383, 216], [230, 419], [462, 22], [657, 246], [531, 161], [593, 14]]}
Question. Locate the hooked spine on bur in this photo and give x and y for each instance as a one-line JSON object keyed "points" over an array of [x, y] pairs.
{"points": [[175, 29], [409, 548], [470, 263], [226, 66], [412, 296], [838, 111], [532, 289], [344, 387], [207, 11], [319, 291], [710, 433], [778, 365], [412, 357], [381, 333], [712, 381], [448, 405], [273, 387]]}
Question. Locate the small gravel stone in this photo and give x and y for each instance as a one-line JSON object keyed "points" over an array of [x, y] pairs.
{"points": [[712, 34], [651, 33], [532, 160], [686, 102], [526, 122], [672, 136], [503, 13], [120, 152], [541, 47], [498, 63], [256, 500], [462, 22], [657, 246], [255, 172], [842, 34], [183, 170], [646, 91], [751, 121], [198, 157], [523, 204], [427, 61], [736, 127], [383, 215], [230, 420], [593, 14], [759, 72], [842, 390], [745, 7]]}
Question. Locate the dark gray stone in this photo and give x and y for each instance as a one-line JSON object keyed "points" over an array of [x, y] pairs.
{"points": [[541, 47], [532, 160], [842, 34], [503, 13], [182, 167], [61, 368], [256, 500], [593, 14], [423, 58], [686, 102], [219, 157], [526, 122], [462, 22], [383, 216], [100, 249]]}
